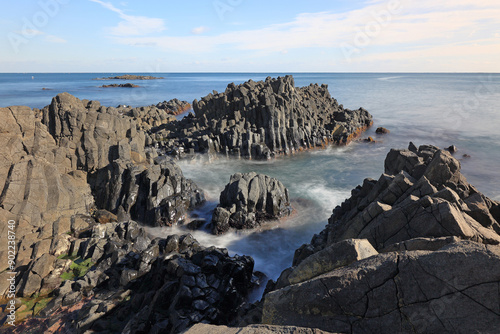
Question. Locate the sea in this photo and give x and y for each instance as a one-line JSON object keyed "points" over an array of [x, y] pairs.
{"points": [[441, 109]]}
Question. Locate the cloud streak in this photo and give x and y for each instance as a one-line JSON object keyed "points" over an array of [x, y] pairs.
{"points": [[132, 25]]}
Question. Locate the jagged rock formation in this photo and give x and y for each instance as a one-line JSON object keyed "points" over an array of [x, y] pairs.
{"points": [[124, 175], [53, 166], [157, 194], [430, 261], [174, 106], [248, 200], [40, 188], [263, 119], [139, 284], [93, 133]]}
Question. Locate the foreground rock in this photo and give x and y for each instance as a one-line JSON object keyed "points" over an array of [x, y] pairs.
{"points": [[139, 284], [252, 329], [54, 166], [415, 252], [126, 177], [41, 190], [454, 289], [263, 119], [248, 200]]}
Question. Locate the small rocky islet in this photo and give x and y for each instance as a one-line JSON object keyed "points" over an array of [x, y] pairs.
{"points": [[416, 251]]}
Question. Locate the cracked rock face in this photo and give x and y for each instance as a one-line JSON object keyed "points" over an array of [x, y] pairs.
{"points": [[452, 290], [434, 265], [248, 200], [263, 119]]}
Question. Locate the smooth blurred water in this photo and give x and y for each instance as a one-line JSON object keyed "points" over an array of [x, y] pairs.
{"points": [[439, 109]]}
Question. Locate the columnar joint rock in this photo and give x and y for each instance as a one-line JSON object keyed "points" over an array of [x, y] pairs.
{"points": [[248, 200], [263, 119]]}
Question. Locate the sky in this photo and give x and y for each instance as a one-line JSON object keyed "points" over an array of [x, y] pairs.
{"points": [[250, 36]]}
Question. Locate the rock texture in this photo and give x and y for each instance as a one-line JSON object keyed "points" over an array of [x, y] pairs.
{"points": [[248, 200], [125, 176], [56, 161], [155, 194], [139, 284], [263, 119], [174, 106], [452, 290], [430, 263], [40, 187], [252, 329]]}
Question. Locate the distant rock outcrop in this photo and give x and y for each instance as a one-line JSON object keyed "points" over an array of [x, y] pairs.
{"points": [[131, 77], [417, 251], [127, 85], [263, 119], [248, 200]]}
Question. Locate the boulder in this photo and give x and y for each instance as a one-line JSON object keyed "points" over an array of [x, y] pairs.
{"points": [[454, 289], [337, 255], [248, 200], [382, 131]]}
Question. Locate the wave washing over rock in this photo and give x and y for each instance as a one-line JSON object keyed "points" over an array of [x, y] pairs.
{"points": [[263, 119]]}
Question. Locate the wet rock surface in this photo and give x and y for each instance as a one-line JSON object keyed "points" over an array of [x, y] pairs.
{"points": [[263, 119], [248, 200]]}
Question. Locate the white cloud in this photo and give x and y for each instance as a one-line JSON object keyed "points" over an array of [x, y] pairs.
{"points": [[199, 30], [396, 30], [132, 25], [54, 39]]}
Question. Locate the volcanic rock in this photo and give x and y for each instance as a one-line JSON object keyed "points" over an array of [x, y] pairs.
{"points": [[433, 266], [263, 119], [248, 200]]}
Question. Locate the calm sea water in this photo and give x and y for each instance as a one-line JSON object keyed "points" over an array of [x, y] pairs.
{"points": [[438, 109]]}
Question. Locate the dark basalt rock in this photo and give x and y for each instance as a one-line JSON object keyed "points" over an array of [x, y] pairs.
{"points": [[131, 77], [127, 85], [263, 119], [248, 200], [420, 225], [139, 284]]}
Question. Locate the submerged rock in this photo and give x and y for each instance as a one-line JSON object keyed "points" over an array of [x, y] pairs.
{"points": [[248, 200]]}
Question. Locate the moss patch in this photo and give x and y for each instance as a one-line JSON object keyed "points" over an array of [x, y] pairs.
{"points": [[78, 268]]}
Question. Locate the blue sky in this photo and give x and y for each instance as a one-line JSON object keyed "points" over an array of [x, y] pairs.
{"points": [[250, 36]]}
